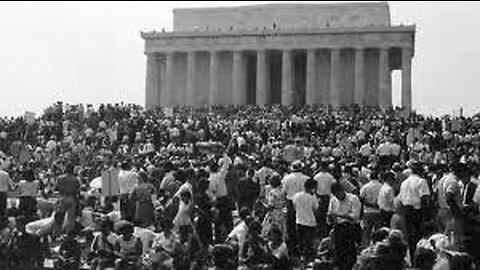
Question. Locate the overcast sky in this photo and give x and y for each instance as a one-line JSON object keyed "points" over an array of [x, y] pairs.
{"points": [[92, 52]]}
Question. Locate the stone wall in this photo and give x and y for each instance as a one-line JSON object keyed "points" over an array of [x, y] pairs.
{"points": [[284, 16]]}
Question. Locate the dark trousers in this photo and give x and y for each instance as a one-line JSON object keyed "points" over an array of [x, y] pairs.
{"points": [[66, 214], [127, 207], [324, 201], [413, 223], [386, 218], [3, 204], [291, 227], [28, 205], [306, 240], [345, 237], [224, 223], [204, 229]]}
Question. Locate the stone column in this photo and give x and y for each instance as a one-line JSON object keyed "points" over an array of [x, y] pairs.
{"points": [[212, 94], [384, 89], [335, 95], [359, 76], [407, 79], [262, 96], [191, 63], [161, 76], [169, 95], [152, 83], [287, 92], [238, 93], [311, 91]]}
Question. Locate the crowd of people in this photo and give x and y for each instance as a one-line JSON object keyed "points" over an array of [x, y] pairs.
{"points": [[248, 187]]}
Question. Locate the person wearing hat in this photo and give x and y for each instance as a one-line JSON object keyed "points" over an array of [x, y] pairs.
{"points": [[414, 196], [293, 184]]}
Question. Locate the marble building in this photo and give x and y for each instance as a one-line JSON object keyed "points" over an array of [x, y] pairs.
{"points": [[337, 54]]}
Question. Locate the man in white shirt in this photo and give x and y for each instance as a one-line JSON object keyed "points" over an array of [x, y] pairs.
{"points": [[386, 198], [240, 232], [324, 183], [369, 197], [414, 195], [447, 184], [344, 212], [219, 193], [127, 181], [306, 205], [292, 184]]}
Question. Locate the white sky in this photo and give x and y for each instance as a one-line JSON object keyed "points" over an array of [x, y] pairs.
{"points": [[91, 52]]}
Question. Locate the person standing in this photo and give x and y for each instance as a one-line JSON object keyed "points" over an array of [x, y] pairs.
{"points": [[219, 193], [414, 196], [386, 199], [448, 187], [69, 188], [28, 193], [142, 198], [306, 206], [293, 183], [127, 181], [369, 197], [324, 190], [344, 214]]}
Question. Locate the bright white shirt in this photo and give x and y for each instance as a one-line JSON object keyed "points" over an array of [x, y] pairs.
{"points": [[448, 184], [370, 192], [324, 183], [240, 234], [395, 149], [386, 198], [366, 150], [305, 205], [127, 181], [217, 186], [476, 195], [349, 206], [384, 149], [147, 236], [293, 183], [29, 188], [5, 181], [412, 190], [51, 145]]}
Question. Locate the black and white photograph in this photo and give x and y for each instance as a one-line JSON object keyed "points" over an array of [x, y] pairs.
{"points": [[239, 135]]}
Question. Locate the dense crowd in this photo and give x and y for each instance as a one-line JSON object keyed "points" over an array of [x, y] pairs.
{"points": [[250, 187]]}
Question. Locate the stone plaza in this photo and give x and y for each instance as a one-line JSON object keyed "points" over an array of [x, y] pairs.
{"points": [[330, 54]]}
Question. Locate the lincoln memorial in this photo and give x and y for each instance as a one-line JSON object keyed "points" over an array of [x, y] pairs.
{"points": [[337, 54]]}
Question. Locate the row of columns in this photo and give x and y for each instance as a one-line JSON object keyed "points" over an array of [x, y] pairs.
{"points": [[263, 96]]}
